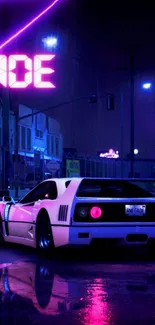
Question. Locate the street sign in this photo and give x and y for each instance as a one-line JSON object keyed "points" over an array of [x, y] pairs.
{"points": [[72, 168], [53, 166]]}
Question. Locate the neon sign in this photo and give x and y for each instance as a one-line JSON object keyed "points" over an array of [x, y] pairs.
{"points": [[29, 24], [34, 71], [110, 154]]}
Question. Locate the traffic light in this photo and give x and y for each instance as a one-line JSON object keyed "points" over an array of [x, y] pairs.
{"points": [[110, 102], [93, 99]]}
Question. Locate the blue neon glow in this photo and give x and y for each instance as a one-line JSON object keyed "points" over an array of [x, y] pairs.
{"points": [[147, 85], [50, 42]]}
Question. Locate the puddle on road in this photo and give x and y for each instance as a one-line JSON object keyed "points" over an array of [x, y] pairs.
{"points": [[43, 291], [2, 266]]}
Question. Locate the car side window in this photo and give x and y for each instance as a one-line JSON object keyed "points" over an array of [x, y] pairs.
{"points": [[51, 192], [46, 190]]}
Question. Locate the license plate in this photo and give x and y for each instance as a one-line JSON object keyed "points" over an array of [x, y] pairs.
{"points": [[135, 210]]}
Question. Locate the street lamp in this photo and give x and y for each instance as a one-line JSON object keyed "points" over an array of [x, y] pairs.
{"points": [[136, 151], [50, 42], [147, 85]]}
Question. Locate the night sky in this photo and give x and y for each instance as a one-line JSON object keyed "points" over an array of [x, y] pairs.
{"points": [[96, 39]]}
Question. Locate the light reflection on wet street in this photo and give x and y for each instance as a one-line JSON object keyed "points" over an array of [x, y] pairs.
{"points": [[67, 291]]}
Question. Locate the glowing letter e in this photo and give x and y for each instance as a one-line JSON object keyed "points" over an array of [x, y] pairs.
{"points": [[13, 83], [39, 71], [3, 70]]}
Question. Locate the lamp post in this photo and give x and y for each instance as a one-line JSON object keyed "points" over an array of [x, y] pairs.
{"points": [[132, 117], [5, 99], [122, 134]]}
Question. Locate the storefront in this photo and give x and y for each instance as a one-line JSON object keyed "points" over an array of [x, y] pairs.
{"points": [[32, 170]]}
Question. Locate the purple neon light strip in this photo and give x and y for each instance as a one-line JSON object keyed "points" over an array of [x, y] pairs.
{"points": [[28, 25]]}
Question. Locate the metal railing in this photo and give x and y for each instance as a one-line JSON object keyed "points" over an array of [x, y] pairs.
{"points": [[31, 171]]}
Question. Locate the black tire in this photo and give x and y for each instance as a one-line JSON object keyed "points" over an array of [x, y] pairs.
{"points": [[44, 237]]}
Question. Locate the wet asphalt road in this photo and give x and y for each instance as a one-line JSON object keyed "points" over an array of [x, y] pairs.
{"points": [[80, 288]]}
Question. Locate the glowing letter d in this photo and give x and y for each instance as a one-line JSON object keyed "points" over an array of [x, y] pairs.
{"points": [[13, 83]]}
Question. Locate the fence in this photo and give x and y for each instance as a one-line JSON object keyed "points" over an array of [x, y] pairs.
{"points": [[99, 167], [34, 168]]}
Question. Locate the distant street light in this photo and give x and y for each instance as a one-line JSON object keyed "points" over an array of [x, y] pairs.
{"points": [[147, 85], [50, 42], [136, 151]]}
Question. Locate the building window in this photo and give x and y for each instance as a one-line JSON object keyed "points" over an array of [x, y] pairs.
{"points": [[48, 144], [36, 122], [19, 137], [29, 139], [39, 134], [57, 147], [23, 133], [47, 123], [52, 145]]}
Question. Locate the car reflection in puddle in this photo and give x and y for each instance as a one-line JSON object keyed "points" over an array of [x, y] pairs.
{"points": [[49, 293], [33, 292]]}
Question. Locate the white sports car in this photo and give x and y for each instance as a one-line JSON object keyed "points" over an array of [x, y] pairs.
{"points": [[79, 211]]}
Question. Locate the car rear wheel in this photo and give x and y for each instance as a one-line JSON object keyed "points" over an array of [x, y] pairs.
{"points": [[44, 237]]}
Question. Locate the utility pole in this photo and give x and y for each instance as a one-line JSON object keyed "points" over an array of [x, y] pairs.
{"points": [[16, 161], [122, 133], [5, 138], [5, 95], [132, 119]]}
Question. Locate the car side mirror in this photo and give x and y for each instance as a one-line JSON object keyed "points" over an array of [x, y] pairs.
{"points": [[7, 199]]}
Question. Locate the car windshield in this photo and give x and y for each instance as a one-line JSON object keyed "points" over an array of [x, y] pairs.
{"points": [[116, 188]]}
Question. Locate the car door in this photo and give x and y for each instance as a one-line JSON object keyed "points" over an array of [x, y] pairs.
{"points": [[22, 216]]}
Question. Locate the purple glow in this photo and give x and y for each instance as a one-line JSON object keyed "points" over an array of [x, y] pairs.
{"points": [[34, 72], [28, 25]]}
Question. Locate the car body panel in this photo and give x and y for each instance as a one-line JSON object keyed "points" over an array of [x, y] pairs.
{"points": [[19, 220], [22, 218]]}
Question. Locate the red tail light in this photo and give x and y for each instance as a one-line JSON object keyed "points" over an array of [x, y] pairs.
{"points": [[96, 212]]}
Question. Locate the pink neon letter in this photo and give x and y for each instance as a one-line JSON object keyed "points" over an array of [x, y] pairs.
{"points": [[38, 71], [3, 70], [13, 83]]}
